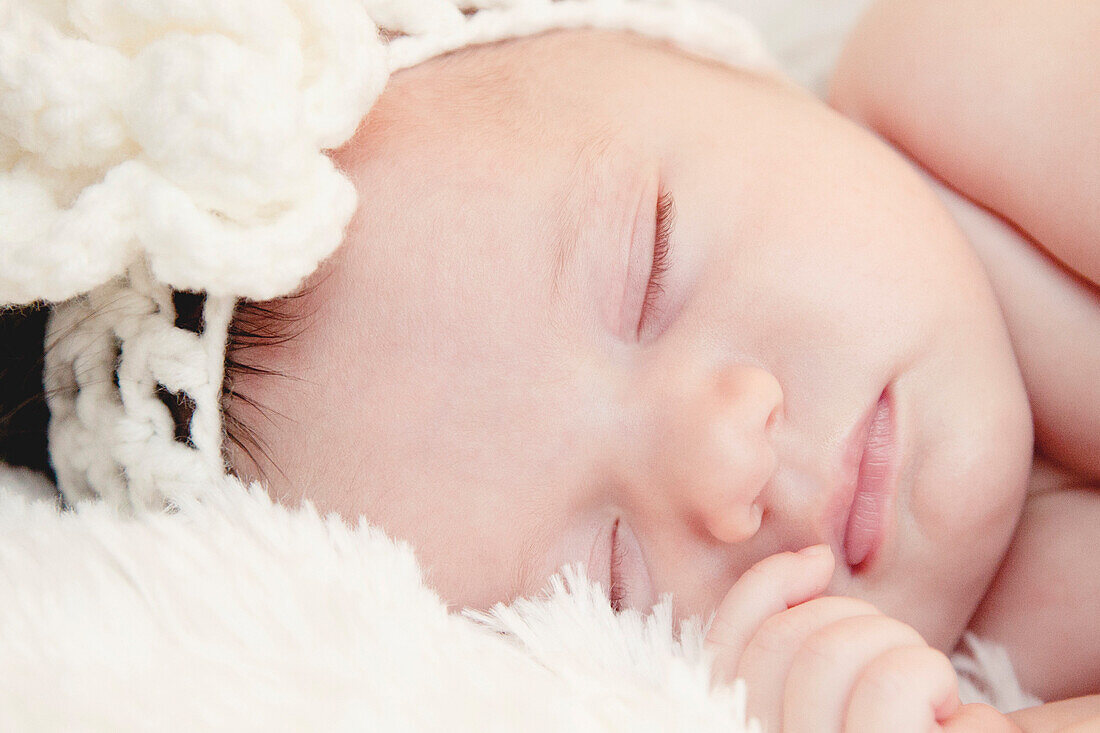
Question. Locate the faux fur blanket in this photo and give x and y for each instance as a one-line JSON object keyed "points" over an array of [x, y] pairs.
{"points": [[239, 614]]}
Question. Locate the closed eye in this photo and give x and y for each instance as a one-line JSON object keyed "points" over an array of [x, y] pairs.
{"points": [[617, 591], [629, 585], [666, 219]]}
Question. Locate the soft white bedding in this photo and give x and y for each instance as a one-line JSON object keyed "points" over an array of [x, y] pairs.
{"points": [[238, 614]]}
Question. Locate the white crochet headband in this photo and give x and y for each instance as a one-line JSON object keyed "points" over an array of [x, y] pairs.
{"points": [[160, 159]]}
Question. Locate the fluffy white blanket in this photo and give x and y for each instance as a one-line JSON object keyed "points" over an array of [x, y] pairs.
{"points": [[239, 614]]}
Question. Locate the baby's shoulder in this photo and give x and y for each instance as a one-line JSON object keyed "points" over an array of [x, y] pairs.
{"points": [[1043, 604]]}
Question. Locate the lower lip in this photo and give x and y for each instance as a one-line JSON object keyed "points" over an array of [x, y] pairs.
{"points": [[873, 501]]}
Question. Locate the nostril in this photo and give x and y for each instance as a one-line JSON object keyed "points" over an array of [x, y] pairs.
{"points": [[775, 398], [773, 418], [756, 514], [735, 524]]}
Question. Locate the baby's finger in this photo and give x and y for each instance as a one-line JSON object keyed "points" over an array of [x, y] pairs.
{"points": [[906, 689], [769, 587], [825, 669], [978, 718], [767, 660]]}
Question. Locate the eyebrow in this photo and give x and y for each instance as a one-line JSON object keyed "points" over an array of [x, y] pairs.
{"points": [[576, 197]]}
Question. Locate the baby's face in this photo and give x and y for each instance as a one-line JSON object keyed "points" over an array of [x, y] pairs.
{"points": [[489, 370]]}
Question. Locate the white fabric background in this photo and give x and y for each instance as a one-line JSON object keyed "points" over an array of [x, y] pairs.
{"points": [[805, 35]]}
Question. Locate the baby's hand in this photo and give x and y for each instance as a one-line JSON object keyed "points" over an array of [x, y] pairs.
{"points": [[832, 663]]}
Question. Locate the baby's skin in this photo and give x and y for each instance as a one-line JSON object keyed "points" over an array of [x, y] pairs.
{"points": [[605, 302]]}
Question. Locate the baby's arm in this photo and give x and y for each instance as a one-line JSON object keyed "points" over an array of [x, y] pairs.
{"points": [[1001, 100], [1044, 604], [832, 663]]}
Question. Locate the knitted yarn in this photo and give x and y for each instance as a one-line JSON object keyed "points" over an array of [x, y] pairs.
{"points": [[160, 159]]}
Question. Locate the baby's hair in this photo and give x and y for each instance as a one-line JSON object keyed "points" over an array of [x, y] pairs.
{"points": [[254, 328]]}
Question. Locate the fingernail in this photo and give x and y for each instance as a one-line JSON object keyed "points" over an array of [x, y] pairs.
{"points": [[814, 551]]}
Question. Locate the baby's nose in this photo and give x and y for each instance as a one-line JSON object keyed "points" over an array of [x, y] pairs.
{"points": [[718, 454]]}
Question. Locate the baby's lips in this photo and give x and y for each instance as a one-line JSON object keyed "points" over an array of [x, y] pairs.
{"points": [[769, 587]]}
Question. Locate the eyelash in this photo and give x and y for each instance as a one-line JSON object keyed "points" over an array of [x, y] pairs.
{"points": [[618, 590], [666, 216]]}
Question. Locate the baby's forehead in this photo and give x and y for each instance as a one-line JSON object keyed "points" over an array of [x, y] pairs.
{"points": [[454, 142], [519, 91], [460, 97]]}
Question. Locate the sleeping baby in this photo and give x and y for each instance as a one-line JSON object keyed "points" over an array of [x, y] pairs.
{"points": [[605, 302]]}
